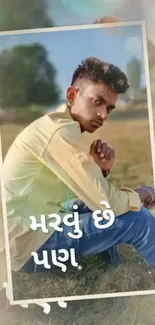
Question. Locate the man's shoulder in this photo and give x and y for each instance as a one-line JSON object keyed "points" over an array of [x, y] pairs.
{"points": [[54, 120], [44, 126], [62, 122], [37, 135]]}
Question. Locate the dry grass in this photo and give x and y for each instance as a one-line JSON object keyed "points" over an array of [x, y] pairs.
{"points": [[134, 167]]}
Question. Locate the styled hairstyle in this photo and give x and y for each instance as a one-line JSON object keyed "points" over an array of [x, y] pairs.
{"points": [[97, 70]]}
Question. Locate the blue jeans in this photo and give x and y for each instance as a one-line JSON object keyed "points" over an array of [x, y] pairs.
{"points": [[134, 228]]}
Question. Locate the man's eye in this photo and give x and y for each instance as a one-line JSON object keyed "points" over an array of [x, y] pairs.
{"points": [[110, 108], [97, 101]]}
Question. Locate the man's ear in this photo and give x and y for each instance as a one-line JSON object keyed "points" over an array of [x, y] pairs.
{"points": [[71, 94]]}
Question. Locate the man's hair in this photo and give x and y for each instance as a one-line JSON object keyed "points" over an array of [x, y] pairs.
{"points": [[97, 70]]}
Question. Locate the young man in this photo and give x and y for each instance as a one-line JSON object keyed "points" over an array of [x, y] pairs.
{"points": [[50, 157]]}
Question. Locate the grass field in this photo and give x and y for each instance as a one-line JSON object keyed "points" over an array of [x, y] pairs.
{"points": [[133, 168], [139, 311]]}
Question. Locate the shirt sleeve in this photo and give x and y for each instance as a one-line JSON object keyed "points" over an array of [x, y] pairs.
{"points": [[67, 155]]}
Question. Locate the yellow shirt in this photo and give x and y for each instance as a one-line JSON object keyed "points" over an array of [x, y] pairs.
{"points": [[48, 158]]}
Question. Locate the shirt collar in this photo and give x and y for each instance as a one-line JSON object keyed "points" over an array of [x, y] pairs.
{"points": [[65, 109]]}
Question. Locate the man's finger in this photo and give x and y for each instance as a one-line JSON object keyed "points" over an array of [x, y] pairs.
{"points": [[148, 202], [107, 153], [103, 150], [98, 145], [112, 154]]}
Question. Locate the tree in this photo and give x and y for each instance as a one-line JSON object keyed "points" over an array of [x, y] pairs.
{"points": [[134, 72], [27, 77], [24, 14]]}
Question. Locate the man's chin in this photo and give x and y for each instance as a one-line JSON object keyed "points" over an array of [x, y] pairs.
{"points": [[93, 129], [88, 129]]}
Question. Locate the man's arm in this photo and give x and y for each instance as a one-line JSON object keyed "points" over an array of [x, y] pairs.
{"points": [[68, 157]]}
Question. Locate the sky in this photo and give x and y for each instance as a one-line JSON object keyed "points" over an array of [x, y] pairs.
{"points": [[66, 49]]}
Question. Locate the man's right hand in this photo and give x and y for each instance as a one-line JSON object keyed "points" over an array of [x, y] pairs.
{"points": [[147, 196]]}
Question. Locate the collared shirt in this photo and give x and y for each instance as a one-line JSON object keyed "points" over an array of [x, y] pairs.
{"points": [[47, 159]]}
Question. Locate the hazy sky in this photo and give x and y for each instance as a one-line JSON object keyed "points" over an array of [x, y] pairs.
{"points": [[66, 49]]}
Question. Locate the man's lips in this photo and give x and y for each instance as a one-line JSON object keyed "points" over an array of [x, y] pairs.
{"points": [[97, 123]]}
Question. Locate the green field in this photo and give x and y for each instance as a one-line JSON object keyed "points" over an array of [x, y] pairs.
{"points": [[131, 140]]}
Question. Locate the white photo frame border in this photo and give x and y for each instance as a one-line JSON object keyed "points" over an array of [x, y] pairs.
{"points": [[61, 300]]}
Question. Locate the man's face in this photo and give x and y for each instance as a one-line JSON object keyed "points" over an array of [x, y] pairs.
{"points": [[91, 104]]}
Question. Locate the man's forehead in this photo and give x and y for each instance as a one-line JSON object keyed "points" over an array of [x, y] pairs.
{"points": [[101, 89]]}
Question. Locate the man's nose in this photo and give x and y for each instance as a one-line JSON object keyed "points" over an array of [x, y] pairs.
{"points": [[104, 114]]}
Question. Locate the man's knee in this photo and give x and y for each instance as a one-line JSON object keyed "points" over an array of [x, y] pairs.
{"points": [[144, 217], [144, 223], [135, 225]]}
